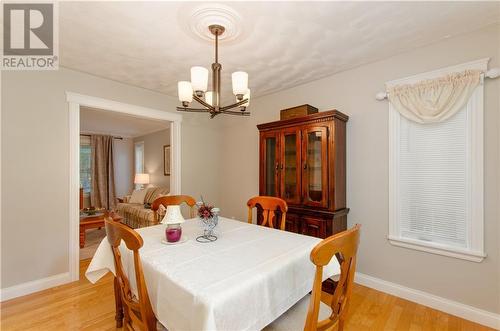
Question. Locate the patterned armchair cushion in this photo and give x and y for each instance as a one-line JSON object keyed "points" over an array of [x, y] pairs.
{"points": [[153, 193], [134, 214]]}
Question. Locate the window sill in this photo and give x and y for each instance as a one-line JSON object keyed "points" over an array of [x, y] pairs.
{"points": [[468, 255]]}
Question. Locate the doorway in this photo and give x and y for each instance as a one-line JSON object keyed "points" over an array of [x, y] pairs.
{"points": [[77, 102]]}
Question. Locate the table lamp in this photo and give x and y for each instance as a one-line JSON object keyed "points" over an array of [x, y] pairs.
{"points": [[141, 179], [173, 219]]}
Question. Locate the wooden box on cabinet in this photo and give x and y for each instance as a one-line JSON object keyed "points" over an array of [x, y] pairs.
{"points": [[303, 161], [298, 111]]}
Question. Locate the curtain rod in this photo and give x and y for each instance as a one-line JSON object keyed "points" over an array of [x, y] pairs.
{"points": [[492, 74], [88, 135]]}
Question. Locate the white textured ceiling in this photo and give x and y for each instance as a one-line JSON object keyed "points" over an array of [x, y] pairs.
{"points": [[116, 124], [282, 44]]}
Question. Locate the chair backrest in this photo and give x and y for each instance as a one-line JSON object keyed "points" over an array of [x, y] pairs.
{"points": [[172, 200], [344, 246], [137, 310], [269, 206]]}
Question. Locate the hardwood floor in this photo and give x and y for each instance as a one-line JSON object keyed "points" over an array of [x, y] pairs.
{"points": [[84, 306]]}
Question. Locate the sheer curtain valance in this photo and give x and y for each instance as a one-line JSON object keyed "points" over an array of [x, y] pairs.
{"points": [[434, 100]]}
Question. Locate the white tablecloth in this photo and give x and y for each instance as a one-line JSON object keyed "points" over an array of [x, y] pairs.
{"points": [[243, 281]]}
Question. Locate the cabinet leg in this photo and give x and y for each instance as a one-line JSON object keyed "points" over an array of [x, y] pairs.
{"points": [[118, 304]]}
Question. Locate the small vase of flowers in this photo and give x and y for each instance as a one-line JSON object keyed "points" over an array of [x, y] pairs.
{"points": [[209, 217]]}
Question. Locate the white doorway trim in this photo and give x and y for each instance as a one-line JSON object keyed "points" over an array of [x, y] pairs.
{"points": [[76, 100]]}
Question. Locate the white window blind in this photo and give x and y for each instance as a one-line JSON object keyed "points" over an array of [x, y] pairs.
{"points": [[433, 180], [436, 177], [85, 164]]}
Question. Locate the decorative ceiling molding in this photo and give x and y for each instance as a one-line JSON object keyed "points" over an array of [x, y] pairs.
{"points": [[196, 21]]}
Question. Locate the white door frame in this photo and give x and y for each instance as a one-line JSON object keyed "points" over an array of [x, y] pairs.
{"points": [[76, 100]]}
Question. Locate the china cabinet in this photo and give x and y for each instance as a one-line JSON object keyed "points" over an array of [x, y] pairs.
{"points": [[303, 161]]}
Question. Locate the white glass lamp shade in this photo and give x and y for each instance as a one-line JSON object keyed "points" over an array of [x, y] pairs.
{"points": [[209, 98], [185, 91], [246, 96], [173, 215], [240, 82], [199, 79], [141, 179]]}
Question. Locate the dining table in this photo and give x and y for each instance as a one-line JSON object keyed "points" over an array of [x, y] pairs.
{"points": [[244, 280]]}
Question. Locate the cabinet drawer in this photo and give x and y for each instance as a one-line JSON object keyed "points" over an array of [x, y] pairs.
{"points": [[292, 223], [313, 227]]}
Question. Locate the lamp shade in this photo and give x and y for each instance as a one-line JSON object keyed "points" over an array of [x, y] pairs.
{"points": [[199, 78], [210, 98], [173, 215], [141, 179], [246, 96], [240, 82], [185, 91]]}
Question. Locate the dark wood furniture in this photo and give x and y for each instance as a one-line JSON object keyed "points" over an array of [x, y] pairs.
{"points": [[298, 111], [81, 198], [172, 200], [94, 221], [269, 206], [303, 161], [136, 311], [344, 247]]}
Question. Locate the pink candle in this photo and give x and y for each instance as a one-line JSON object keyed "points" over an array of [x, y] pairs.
{"points": [[173, 233]]}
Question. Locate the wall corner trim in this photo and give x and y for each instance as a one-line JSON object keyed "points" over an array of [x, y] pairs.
{"points": [[33, 286], [467, 312]]}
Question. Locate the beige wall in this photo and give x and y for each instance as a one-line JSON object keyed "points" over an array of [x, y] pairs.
{"points": [[352, 92], [35, 164], [153, 156], [124, 165]]}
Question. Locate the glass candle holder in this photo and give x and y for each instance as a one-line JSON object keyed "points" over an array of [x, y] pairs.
{"points": [[173, 232]]}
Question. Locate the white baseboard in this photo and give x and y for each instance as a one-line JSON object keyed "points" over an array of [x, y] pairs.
{"points": [[470, 313], [33, 286]]}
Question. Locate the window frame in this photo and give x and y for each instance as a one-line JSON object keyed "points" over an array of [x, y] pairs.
{"points": [[475, 207]]}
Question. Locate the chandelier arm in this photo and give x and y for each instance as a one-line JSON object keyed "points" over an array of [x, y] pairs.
{"points": [[205, 104], [234, 105], [237, 113], [193, 110]]}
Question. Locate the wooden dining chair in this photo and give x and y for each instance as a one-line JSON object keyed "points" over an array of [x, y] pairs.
{"points": [[137, 311], [331, 309], [173, 200], [269, 206], [344, 246]]}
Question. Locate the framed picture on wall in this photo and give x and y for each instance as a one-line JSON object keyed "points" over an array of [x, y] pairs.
{"points": [[166, 160]]}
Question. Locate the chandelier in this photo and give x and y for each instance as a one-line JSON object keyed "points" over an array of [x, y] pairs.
{"points": [[197, 88]]}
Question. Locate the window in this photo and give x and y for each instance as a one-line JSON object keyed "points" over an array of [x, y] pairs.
{"points": [[139, 159], [436, 181], [85, 165]]}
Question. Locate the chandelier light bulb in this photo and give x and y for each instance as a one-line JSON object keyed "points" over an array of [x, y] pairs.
{"points": [[185, 91], [199, 79], [240, 83]]}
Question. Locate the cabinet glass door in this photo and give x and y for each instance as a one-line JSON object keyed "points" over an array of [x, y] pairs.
{"points": [[315, 166], [269, 166], [290, 166]]}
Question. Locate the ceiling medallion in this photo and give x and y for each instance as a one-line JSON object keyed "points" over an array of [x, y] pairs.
{"points": [[214, 14], [197, 88]]}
